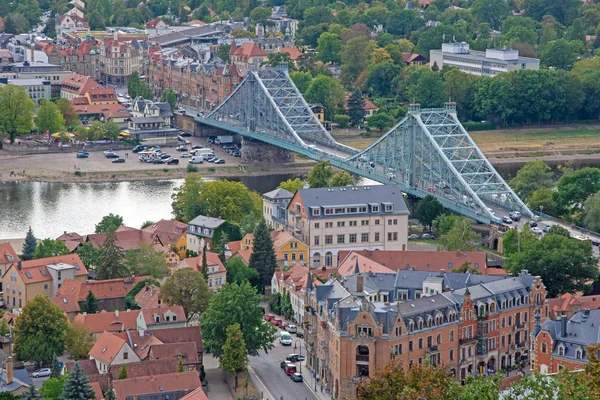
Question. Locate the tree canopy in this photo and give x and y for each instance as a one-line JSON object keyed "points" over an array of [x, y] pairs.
{"points": [[187, 288]]}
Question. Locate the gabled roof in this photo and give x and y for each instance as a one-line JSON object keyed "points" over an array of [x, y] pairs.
{"points": [[178, 335], [212, 261], [140, 341], [34, 271], [102, 289], [168, 230], [148, 297], [107, 347], [197, 394], [127, 238], [68, 303], [7, 254], [151, 314], [206, 222], [348, 265], [78, 84], [280, 238], [279, 194], [186, 351], [247, 50], [293, 52], [146, 368], [109, 321], [181, 381]]}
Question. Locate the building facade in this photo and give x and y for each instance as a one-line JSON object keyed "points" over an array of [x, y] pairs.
{"points": [[118, 60], [37, 89], [275, 205], [83, 59], [488, 63], [330, 220]]}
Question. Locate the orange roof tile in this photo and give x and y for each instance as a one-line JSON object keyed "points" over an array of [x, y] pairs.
{"points": [[102, 289], [186, 351], [107, 347], [140, 341], [97, 390], [146, 368], [169, 231], [148, 297], [179, 335], [197, 394], [348, 265], [68, 303], [177, 315], [7, 253], [181, 381], [244, 255], [98, 109], [109, 321], [212, 261], [234, 246], [293, 52], [78, 84], [249, 49], [33, 271]]}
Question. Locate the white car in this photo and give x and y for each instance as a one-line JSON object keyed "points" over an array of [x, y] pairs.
{"points": [[536, 230], [185, 155], [42, 372]]}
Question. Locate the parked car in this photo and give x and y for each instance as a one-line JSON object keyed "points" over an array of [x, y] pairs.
{"points": [[185, 134], [283, 364], [159, 161], [290, 369], [185, 155], [196, 160], [181, 110], [42, 372], [236, 154], [532, 224], [181, 147], [164, 156], [547, 229], [172, 161], [111, 154], [268, 317], [276, 321], [507, 220], [196, 147], [139, 147], [414, 236], [291, 328], [428, 236], [536, 230], [595, 242], [285, 338], [82, 154], [295, 358], [219, 161], [300, 333], [118, 161], [296, 377]]}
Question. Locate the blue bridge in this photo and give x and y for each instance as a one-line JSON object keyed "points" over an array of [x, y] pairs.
{"points": [[427, 153]]}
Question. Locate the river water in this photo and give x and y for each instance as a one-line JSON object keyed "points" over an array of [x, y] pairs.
{"points": [[52, 208]]}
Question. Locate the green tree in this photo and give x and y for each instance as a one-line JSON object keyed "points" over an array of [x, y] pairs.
{"points": [[30, 394], [188, 289], [4, 328], [17, 111], [110, 222], [329, 47], [514, 239], [481, 387], [146, 224], [223, 248], [591, 217], [561, 53], [404, 22], [56, 369], [379, 77], [443, 223], [65, 107], [292, 186], [432, 38], [461, 237], [301, 79], [145, 260], [466, 267], [91, 304], [186, 205], [238, 272], [565, 265], [49, 118], [236, 304], [428, 210], [341, 120], [133, 85], [235, 354], [356, 107], [96, 21], [355, 58], [460, 88], [564, 11], [492, 11], [180, 367], [89, 255], [77, 386], [111, 130], [260, 15], [29, 245], [575, 187], [50, 248], [341, 179], [326, 91], [320, 175], [16, 23], [531, 177], [263, 257], [111, 259], [123, 372], [543, 198], [204, 263], [425, 87], [52, 388], [41, 324], [380, 120], [78, 340], [520, 34], [170, 97]]}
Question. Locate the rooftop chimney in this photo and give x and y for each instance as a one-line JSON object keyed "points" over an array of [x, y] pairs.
{"points": [[360, 283], [563, 325], [9, 370]]}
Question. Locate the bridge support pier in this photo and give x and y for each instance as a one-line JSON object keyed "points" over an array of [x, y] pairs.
{"points": [[254, 151]]}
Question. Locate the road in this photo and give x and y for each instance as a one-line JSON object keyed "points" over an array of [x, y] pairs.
{"points": [[279, 386]]}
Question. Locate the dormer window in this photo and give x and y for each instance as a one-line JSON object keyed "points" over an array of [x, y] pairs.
{"points": [[578, 354], [389, 207], [316, 212], [561, 350]]}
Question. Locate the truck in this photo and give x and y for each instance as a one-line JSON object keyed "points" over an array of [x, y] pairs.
{"points": [[224, 139], [203, 152]]}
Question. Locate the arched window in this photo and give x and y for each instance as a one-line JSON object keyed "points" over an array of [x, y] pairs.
{"points": [[411, 325], [429, 321], [420, 323], [544, 348], [328, 259], [578, 354], [561, 350], [317, 260]]}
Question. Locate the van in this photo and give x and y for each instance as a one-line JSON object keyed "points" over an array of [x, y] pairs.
{"points": [[197, 160], [203, 152], [285, 339], [291, 328]]}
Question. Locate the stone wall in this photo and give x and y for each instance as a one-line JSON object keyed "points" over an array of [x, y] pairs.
{"points": [[254, 151]]}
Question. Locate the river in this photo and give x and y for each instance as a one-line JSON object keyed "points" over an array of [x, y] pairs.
{"points": [[52, 208]]}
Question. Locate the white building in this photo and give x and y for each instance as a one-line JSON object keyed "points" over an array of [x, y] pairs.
{"points": [[488, 63], [275, 205]]}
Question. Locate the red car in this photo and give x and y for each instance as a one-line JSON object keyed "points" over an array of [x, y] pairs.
{"points": [[269, 317], [290, 369], [277, 321]]}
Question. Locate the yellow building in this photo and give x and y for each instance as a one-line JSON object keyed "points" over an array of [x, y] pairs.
{"points": [[171, 233], [288, 249], [319, 111], [24, 280]]}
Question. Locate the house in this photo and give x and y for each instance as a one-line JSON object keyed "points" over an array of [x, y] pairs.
{"points": [[145, 368], [185, 352], [24, 280], [109, 292], [247, 55], [148, 297], [77, 86], [204, 229], [173, 386], [151, 119], [161, 317], [170, 233], [294, 281], [37, 88], [288, 249], [569, 304], [71, 23], [8, 256], [330, 220], [14, 381], [82, 58], [119, 59], [116, 321], [197, 394], [71, 239], [68, 304], [109, 350], [156, 23], [180, 335], [217, 273], [413, 59], [275, 205], [318, 110]]}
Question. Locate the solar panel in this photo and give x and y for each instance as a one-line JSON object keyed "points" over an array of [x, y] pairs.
{"points": [[28, 274]]}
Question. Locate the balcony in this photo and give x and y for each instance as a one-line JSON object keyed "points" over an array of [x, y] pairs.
{"points": [[362, 357], [467, 340], [431, 349], [520, 345], [483, 317], [519, 326]]}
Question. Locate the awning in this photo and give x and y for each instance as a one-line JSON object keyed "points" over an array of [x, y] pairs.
{"points": [[58, 135]]}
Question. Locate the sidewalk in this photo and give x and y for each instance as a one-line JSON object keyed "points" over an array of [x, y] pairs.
{"points": [[310, 382], [217, 386]]}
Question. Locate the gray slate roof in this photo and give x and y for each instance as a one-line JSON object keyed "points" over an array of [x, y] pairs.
{"points": [[279, 194], [207, 222]]}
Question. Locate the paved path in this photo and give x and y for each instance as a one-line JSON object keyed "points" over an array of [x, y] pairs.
{"points": [[217, 386]]}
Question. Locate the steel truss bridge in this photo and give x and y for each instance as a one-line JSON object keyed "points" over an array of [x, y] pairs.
{"points": [[427, 153]]}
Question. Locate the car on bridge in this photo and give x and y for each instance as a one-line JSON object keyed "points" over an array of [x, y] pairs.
{"points": [[507, 220]]}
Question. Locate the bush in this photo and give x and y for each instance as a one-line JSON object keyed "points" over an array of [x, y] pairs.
{"points": [[165, 169], [342, 120], [479, 126], [78, 173], [211, 170], [191, 168]]}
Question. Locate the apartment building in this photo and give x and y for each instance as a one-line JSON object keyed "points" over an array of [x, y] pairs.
{"points": [[275, 205], [330, 220], [119, 59], [488, 63], [36, 88], [357, 325]]}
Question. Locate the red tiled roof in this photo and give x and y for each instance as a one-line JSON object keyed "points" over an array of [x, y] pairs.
{"points": [[127, 238], [348, 265], [169, 231], [109, 321], [140, 341], [102, 289], [152, 23], [411, 57], [146, 368], [7, 253], [422, 260], [181, 381], [148, 297], [97, 390], [33, 271], [244, 255], [186, 351], [68, 303], [106, 348], [150, 315], [179, 335], [98, 109], [88, 366], [100, 93], [195, 22], [247, 50], [78, 84], [293, 52], [234, 246], [212, 261], [197, 394], [70, 236]]}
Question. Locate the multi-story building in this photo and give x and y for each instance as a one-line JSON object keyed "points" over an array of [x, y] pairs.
{"points": [[569, 304], [217, 273], [289, 250], [8, 256], [37, 89], [71, 22], [330, 220], [151, 119], [37, 70], [83, 59], [474, 330], [488, 63], [119, 59], [275, 205], [207, 230], [562, 343], [248, 55], [24, 280], [77, 86]]}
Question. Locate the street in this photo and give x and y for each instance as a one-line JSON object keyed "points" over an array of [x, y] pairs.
{"points": [[278, 385]]}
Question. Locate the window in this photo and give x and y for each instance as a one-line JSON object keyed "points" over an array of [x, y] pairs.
{"points": [[377, 236], [392, 236], [544, 348], [174, 318], [364, 237], [398, 331], [410, 345], [351, 223], [420, 343], [328, 224], [395, 222], [352, 238], [157, 319], [397, 349], [561, 350], [364, 222], [389, 222], [316, 211], [375, 208], [341, 239], [328, 239], [293, 256], [341, 224], [451, 354], [376, 222], [285, 256], [439, 338], [364, 331], [317, 240], [317, 225], [452, 335], [45, 286], [503, 341], [125, 355], [389, 208]]}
